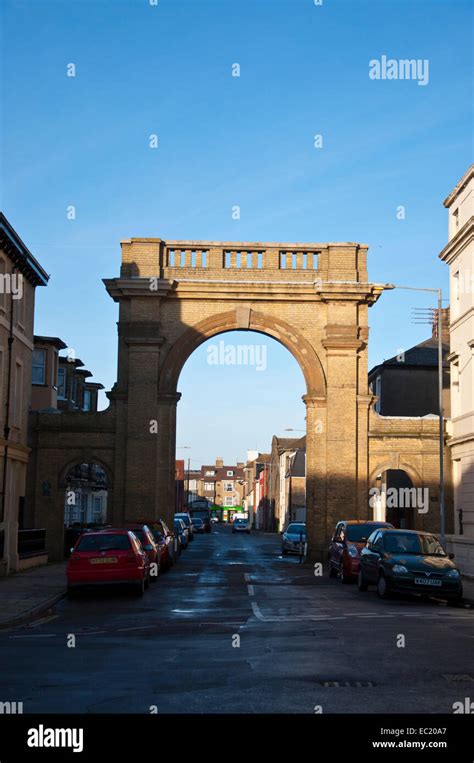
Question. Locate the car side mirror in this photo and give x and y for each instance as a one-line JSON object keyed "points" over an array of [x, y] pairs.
{"points": [[72, 549]]}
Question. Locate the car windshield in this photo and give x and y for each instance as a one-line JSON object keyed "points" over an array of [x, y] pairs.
{"points": [[357, 533], [296, 529], [197, 521], [411, 543], [104, 543], [184, 519]]}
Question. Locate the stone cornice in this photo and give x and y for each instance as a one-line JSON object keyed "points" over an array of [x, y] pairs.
{"points": [[463, 238]]}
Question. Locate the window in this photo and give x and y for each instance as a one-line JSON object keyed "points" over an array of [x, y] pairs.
{"points": [[39, 367], [230, 473], [87, 400], [378, 392], [209, 473], [3, 270], [208, 486], [62, 383], [228, 486], [229, 500], [18, 396]]}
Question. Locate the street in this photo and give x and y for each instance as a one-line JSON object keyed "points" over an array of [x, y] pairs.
{"points": [[234, 627]]}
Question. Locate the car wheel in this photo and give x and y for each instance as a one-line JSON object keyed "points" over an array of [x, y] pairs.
{"points": [[342, 575], [332, 571], [140, 587], [361, 582], [147, 582], [382, 587], [71, 592]]}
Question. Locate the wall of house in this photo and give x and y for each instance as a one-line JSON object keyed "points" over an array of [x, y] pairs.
{"points": [[20, 395]]}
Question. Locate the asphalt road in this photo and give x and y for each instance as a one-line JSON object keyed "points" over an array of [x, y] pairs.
{"points": [[234, 627]]}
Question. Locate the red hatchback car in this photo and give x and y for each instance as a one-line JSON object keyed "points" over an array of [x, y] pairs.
{"points": [[108, 557], [350, 537]]}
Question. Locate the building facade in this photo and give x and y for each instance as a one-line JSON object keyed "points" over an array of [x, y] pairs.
{"points": [[458, 254], [223, 487], [20, 274]]}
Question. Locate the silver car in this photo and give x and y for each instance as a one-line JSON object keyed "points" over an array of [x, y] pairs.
{"points": [[241, 525], [293, 536]]}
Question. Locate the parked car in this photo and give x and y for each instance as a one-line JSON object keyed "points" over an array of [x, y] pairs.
{"points": [[182, 533], [145, 536], [198, 525], [108, 557], [350, 537], [291, 538], [408, 561], [166, 542], [187, 521], [241, 525], [204, 514]]}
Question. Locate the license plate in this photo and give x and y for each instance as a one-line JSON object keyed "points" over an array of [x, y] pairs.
{"points": [[104, 560], [427, 581]]}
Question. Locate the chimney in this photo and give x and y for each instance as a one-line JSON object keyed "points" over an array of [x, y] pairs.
{"points": [[444, 325], [220, 461]]}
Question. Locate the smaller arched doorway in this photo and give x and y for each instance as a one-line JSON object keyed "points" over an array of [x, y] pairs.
{"points": [[395, 498], [85, 500]]}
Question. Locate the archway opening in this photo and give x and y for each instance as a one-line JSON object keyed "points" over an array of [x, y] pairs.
{"points": [[85, 500], [396, 499], [241, 431]]}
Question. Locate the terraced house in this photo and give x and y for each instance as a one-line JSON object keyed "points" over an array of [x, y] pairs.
{"points": [[20, 274]]}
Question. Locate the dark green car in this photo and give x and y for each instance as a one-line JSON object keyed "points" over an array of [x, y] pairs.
{"points": [[408, 561]]}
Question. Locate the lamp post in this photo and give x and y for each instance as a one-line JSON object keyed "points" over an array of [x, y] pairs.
{"points": [[442, 511]]}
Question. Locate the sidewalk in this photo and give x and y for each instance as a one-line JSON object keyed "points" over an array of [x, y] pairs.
{"points": [[25, 595]]}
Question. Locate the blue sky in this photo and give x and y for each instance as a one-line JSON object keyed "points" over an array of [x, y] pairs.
{"points": [[227, 141]]}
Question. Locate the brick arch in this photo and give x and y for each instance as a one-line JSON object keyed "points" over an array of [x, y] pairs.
{"points": [[65, 469], [397, 465], [293, 340]]}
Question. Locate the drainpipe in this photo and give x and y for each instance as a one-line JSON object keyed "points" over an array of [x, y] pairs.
{"points": [[6, 428]]}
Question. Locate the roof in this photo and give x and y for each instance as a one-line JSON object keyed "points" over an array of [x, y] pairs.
{"points": [[468, 175], [54, 340], [20, 255], [289, 443], [423, 355], [298, 465]]}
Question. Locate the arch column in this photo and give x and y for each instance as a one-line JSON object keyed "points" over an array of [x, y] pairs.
{"points": [[166, 457], [316, 483]]}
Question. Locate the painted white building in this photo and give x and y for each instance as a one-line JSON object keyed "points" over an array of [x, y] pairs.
{"points": [[458, 254]]}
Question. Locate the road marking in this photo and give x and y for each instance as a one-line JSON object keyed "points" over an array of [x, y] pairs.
{"points": [[36, 635], [251, 590], [247, 577], [135, 628]]}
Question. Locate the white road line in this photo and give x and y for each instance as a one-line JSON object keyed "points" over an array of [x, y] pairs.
{"points": [[36, 635], [135, 628], [251, 590], [247, 577]]}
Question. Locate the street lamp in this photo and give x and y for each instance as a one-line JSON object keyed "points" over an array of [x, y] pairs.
{"points": [[442, 513]]}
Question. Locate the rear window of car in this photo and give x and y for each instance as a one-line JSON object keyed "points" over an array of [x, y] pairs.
{"points": [[104, 543], [356, 533], [185, 519], [296, 529]]}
